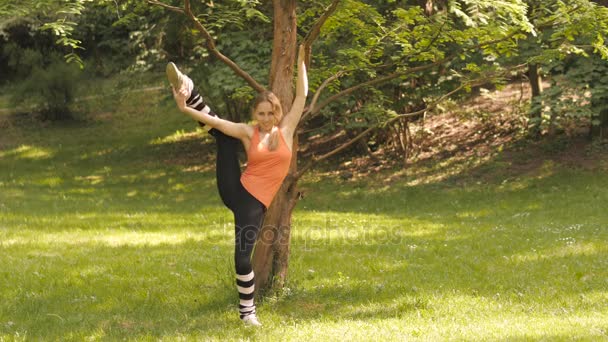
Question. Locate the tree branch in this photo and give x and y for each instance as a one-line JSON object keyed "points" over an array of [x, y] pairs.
{"points": [[171, 8], [211, 46], [478, 81], [323, 85], [316, 28], [316, 110], [344, 146], [187, 11], [313, 110]]}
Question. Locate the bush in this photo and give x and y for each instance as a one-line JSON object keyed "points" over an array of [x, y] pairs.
{"points": [[49, 90]]}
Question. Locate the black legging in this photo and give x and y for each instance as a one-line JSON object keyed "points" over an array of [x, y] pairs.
{"points": [[248, 211]]}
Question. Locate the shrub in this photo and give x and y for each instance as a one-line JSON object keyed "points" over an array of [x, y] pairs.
{"points": [[49, 89]]}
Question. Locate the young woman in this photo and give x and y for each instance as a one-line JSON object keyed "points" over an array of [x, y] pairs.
{"points": [[268, 144]]}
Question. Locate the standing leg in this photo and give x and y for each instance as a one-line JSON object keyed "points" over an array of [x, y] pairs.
{"points": [[248, 218]]}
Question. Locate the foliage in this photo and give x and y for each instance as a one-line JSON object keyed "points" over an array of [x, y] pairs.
{"points": [[234, 15], [49, 88], [366, 41], [59, 17], [479, 42], [41, 80], [578, 94], [564, 28], [250, 48], [568, 32], [129, 36], [568, 106], [23, 46]]}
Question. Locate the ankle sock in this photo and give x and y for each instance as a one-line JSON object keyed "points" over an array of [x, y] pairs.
{"points": [[197, 102], [245, 284]]}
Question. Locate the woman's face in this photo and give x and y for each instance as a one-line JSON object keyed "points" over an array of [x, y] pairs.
{"points": [[264, 115]]}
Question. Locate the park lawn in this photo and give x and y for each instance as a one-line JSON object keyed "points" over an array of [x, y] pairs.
{"points": [[111, 228]]}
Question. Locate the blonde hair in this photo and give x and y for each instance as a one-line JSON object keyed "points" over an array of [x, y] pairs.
{"points": [[277, 111]]}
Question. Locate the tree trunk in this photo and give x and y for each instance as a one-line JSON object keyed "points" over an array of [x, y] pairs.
{"points": [[603, 126], [600, 131], [271, 256], [535, 80], [551, 129], [402, 139]]}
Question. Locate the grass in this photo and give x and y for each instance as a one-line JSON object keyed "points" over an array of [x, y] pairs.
{"points": [[111, 229]]}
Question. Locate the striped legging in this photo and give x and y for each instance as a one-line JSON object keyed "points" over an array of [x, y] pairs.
{"points": [[248, 211]]}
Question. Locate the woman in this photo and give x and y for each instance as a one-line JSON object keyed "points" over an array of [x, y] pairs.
{"points": [[268, 144]]}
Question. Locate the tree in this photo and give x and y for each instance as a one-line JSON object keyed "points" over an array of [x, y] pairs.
{"points": [[562, 29], [452, 47], [43, 82]]}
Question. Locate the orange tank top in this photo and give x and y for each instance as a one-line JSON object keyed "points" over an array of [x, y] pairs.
{"points": [[265, 169]]}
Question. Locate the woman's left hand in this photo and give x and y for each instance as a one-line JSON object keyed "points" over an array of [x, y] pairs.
{"points": [[180, 97], [301, 54], [302, 85]]}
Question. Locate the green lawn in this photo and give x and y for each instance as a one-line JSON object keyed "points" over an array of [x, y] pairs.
{"points": [[111, 228]]}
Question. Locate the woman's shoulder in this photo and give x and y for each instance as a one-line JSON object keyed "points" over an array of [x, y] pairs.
{"points": [[251, 129]]}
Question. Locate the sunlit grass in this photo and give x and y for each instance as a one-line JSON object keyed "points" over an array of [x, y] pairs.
{"points": [[113, 229], [28, 152], [179, 135]]}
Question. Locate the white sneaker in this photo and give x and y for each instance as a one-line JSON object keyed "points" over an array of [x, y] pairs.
{"points": [[251, 320], [177, 79]]}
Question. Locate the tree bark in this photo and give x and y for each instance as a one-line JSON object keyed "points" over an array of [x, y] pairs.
{"points": [[551, 130], [601, 2], [603, 127], [599, 131], [535, 80], [271, 255]]}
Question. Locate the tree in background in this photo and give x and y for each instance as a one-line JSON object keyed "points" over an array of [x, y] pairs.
{"points": [[31, 32], [58, 17], [565, 32], [44, 83]]}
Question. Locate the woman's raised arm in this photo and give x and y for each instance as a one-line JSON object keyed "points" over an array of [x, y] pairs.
{"points": [[290, 121]]}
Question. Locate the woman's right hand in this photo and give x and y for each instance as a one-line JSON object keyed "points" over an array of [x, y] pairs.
{"points": [[180, 97]]}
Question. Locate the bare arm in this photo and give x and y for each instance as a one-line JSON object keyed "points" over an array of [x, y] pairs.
{"points": [[240, 131], [290, 121]]}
